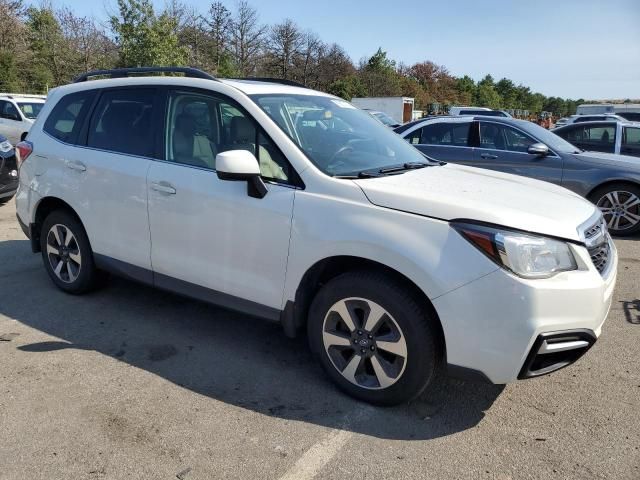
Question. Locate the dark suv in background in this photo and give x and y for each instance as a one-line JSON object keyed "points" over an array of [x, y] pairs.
{"points": [[8, 171]]}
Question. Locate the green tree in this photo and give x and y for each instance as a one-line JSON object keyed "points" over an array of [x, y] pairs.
{"points": [[487, 93], [348, 88], [467, 90], [145, 39]]}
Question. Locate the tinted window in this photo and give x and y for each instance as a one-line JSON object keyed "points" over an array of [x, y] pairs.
{"points": [[414, 138], [631, 141], [8, 111], [122, 120], [451, 134], [599, 137], [65, 120], [31, 109], [502, 137], [200, 126]]}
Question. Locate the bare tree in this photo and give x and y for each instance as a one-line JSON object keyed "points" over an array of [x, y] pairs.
{"points": [[284, 45], [248, 38], [309, 55]]}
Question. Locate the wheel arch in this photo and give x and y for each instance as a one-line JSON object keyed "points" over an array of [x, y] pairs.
{"points": [[629, 181], [45, 206], [295, 314]]}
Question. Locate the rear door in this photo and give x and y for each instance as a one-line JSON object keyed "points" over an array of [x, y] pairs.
{"points": [[446, 140], [104, 143], [504, 148]]}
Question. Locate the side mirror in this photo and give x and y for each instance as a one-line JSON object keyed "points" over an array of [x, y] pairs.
{"points": [[539, 149], [241, 165]]}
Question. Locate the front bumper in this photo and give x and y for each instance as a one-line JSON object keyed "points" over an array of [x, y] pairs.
{"points": [[8, 177], [496, 325]]}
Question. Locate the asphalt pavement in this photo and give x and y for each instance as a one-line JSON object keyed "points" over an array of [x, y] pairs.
{"points": [[131, 382]]}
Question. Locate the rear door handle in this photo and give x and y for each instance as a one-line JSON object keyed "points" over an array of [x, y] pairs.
{"points": [[74, 165], [488, 156], [163, 187]]}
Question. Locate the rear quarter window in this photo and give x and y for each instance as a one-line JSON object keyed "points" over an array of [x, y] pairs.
{"points": [[65, 120]]}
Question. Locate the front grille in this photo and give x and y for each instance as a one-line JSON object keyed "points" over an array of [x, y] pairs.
{"points": [[597, 242], [600, 256]]}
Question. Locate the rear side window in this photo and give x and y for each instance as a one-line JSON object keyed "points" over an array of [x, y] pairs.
{"points": [[66, 119], [122, 122], [447, 134]]}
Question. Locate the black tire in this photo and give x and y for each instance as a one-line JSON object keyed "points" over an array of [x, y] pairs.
{"points": [[423, 344], [624, 192], [5, 200], [86, 274], [23, 136]]}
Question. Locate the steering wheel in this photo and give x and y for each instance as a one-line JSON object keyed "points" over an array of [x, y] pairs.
{"points": [[341, 150]]}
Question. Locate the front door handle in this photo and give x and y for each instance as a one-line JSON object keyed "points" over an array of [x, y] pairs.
{"points": [[488, 156], [74, 165], [163, 187]]}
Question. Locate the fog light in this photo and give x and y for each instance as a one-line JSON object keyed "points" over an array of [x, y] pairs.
{"points": [[13, 173]]}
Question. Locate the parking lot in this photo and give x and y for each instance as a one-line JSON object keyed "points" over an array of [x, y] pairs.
{"points": [[129, 382]]}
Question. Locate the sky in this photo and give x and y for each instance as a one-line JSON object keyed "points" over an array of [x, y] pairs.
{"points": [[568, 48]]}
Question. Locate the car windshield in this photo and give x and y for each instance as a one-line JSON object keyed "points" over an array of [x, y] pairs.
{"points": [[550, 139], [338, 138], [30, 109], [384, 118]]}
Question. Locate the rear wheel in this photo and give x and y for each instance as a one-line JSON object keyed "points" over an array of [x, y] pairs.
{"points": [[373, 338], [66, 253], [620, 206], [4, 200]]}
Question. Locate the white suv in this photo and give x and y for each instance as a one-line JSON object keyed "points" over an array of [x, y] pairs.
{"points": [[292, 205], [17, 114]]}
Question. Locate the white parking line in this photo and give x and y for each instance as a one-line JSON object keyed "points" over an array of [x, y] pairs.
{"points": [[321, 453]]}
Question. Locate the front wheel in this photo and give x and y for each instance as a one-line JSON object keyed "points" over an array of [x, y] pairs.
{"points": [[620, 206], [373, 338]]}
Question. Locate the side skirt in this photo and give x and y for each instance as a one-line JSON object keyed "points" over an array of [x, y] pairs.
{"points": [[187, 289]]}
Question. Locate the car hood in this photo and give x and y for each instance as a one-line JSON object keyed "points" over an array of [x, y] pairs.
{"points": [[610, 159], [453, 192]]}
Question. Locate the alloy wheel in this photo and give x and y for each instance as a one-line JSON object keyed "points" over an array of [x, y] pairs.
{"points": [[63, 253], [621, 210], [364, 343]]}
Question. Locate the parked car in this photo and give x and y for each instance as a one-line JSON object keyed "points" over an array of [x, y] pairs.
{"points": [[8, 171], [508, 145], [608, 136], [396, 265], [593, 118], [478, 111], [384, 118], [17, 114]]}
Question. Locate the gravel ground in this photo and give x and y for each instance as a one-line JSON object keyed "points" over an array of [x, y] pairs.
{"points": [[129, 382]]}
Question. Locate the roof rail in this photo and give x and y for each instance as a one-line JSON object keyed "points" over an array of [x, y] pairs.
{"points": [[125, 72], [282, 81], [21, 95]]}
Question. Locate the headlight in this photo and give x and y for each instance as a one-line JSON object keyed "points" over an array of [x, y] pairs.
{"points": [[526, 255]]}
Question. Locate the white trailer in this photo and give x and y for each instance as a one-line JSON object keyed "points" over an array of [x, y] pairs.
{"points": [[398, 108]]}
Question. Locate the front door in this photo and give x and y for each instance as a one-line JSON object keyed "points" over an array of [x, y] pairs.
{"points": [[505, 149], [209, 238]]}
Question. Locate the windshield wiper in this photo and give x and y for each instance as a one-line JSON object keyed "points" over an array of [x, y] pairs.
{"points": [[363, 174], [405, 166]]}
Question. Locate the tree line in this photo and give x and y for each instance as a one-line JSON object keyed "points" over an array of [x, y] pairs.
{"points": [[45, 46]]}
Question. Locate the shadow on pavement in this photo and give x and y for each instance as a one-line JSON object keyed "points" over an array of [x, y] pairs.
{"points": [[632, 311], [227, 356]]}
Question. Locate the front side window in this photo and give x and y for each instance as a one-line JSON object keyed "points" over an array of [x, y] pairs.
{"points": [[199, 126], [338, 138], [31, 110], [66, 119], [502, 137], [122, 122]]}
